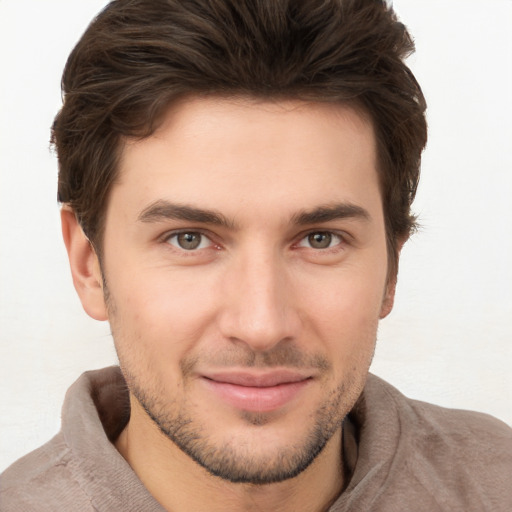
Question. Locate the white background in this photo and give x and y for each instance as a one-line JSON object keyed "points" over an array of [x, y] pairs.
{"points": [[449, 340]]}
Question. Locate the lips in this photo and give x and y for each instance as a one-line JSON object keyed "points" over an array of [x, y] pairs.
{"points": [[257, 392]]}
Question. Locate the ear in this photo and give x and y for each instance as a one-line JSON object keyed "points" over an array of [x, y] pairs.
{"points": [[389, 298], [85, 266], [389, 294]]}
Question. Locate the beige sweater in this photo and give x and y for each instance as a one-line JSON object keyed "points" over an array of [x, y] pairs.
{"points": [[402, 455]]}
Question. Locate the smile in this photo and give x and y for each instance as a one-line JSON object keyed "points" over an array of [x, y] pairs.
{"points": [[257, 393]]}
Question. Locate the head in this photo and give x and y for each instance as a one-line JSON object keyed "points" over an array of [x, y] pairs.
{"points": [[229, 97]]}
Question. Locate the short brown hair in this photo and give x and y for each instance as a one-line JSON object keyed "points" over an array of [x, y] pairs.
{"points": [[138, 56]]}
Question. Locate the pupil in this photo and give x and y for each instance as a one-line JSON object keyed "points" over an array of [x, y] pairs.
{"points": [[320, 240], [189, 240]]}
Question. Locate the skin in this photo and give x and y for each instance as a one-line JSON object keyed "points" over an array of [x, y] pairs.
{"points": [[290, 275]]}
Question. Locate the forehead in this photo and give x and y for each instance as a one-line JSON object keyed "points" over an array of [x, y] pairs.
{"points": [[242, 155]]}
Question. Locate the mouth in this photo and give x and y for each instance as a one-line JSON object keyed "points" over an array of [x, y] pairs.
{"points": [[257, 392]]}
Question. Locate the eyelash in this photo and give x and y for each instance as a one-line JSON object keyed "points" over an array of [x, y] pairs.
{"points": [[341, 237], [175, 234], [333, 236]]}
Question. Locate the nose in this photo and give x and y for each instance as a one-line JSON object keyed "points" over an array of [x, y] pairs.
{"points": [[259, 303]]}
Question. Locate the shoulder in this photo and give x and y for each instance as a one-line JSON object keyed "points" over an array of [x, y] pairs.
{"points": [[42, 481], [432, 423], [463, 458]]}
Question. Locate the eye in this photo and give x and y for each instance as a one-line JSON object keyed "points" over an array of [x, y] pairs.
{"points": [[189, 240], [321, 240]]}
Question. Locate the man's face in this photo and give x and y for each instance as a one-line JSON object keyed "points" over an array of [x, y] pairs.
{"points": [[245, 260]]}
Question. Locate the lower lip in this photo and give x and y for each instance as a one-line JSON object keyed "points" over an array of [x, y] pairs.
{"points": [[257, 399]]}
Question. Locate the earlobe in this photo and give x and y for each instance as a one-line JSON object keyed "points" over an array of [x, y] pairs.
{"points": [[389, 299], [85, 267], [389, 296]]}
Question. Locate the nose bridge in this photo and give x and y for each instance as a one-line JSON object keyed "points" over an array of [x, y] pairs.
{"points": [[257, 308]]}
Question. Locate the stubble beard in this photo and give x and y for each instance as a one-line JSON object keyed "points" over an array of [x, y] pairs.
{"points": [[234, 463], [238, 464]]}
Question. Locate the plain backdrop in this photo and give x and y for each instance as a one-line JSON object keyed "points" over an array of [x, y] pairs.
{"points": [[449, 339]]}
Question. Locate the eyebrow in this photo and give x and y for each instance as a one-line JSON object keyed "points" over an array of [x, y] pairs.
{"points": [[331, 212], [162, 210]]}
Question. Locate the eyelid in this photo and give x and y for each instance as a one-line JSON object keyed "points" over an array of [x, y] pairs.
{"points": [[345, 238], [334, 243], [176, 232]]}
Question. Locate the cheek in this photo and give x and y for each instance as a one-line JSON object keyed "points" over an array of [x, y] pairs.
{"points": [[346, 298], [344, 312], [162, 311]]}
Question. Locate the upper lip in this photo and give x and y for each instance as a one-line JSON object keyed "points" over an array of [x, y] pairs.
{"points": [[257, 379]]}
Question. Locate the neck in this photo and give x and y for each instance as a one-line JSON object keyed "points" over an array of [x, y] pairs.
{"points": [[180, 485]]}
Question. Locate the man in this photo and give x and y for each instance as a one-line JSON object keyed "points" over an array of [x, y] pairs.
{"points": [[236, 180]]}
